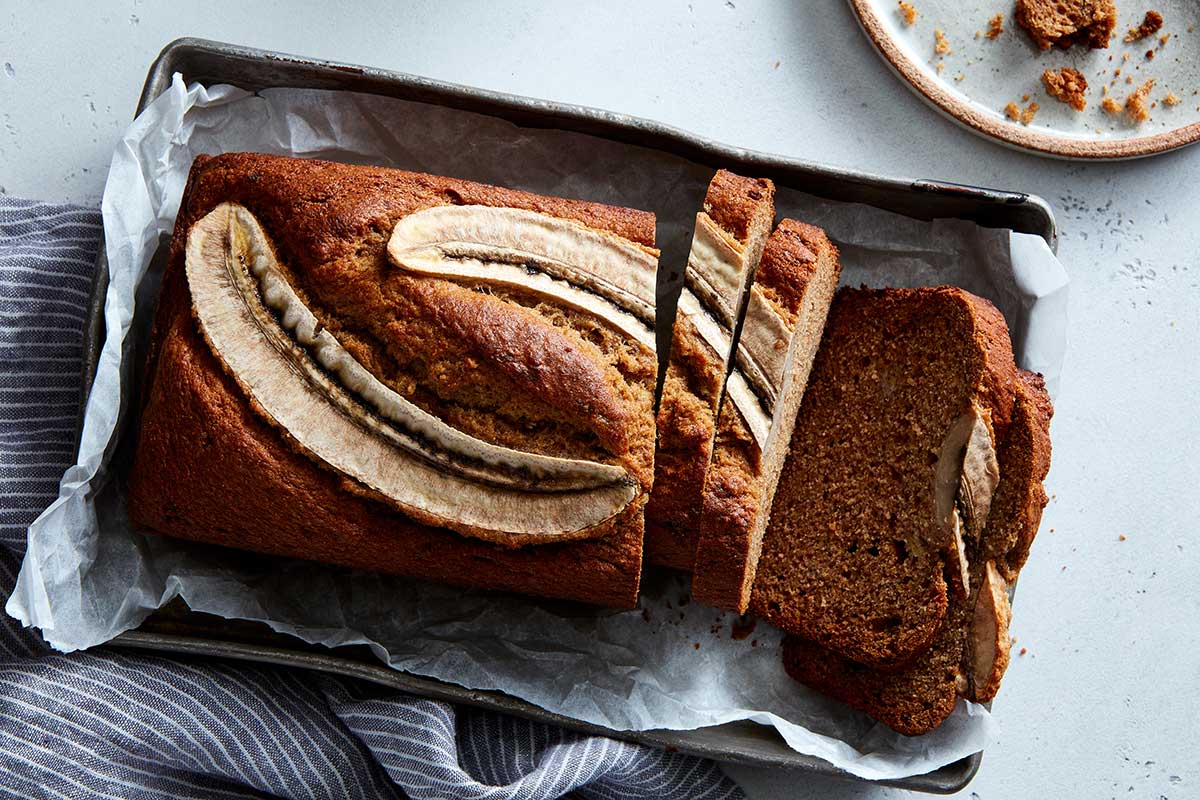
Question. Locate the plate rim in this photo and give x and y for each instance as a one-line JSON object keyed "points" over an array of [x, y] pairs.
{"points": [[1019, 137]]}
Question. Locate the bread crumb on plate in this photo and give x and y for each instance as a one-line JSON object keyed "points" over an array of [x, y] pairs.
{"points": [[1067, 22], [1172, 99], [908, 12], [995, 26], [1029, 113], [941, 45], [1111, 106], [1066, 85], [1151, 24], [1135, 105]]}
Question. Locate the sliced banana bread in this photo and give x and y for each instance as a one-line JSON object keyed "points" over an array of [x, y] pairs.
{"points": [[785, 316], [909, 392], [970, 654], [731, 231]]}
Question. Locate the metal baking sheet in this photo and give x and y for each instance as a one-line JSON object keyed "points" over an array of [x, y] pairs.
{"points": [[179, 630]]}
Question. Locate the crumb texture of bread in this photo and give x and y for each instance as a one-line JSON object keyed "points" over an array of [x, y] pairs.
{"points": [[743, 209], [785, 318], [1066, 85], [1151, 24], [1064, 23], [917, 698], [209, 467], [842, 562]]}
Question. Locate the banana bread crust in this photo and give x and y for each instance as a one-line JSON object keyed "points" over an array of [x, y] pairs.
{"points": [[209, 467]]}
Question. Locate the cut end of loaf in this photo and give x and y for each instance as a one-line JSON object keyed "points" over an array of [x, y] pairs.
{"points": [[794, 285], [842, 564]]}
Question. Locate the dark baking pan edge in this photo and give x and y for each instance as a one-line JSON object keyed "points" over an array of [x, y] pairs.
{"points": [[213, 62]]}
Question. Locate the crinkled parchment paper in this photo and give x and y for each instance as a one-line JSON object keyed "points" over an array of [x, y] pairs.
{"points": [[87, 576]]}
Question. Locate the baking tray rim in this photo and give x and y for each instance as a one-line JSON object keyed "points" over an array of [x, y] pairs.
{"points": [[947, 779]]}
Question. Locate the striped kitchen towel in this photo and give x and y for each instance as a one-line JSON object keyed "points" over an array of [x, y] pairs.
{"points": [[113, 724]]}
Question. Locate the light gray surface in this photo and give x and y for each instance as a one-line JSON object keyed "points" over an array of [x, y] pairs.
{"points": [[1103, 704]]}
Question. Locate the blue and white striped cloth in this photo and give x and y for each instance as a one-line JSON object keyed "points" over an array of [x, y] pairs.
{"points": [[108, 724]]}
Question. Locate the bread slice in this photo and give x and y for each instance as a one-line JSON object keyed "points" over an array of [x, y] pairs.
{"points": [[731, 232], [970, 654], [785, 316], [909, 392], [500, 360]]}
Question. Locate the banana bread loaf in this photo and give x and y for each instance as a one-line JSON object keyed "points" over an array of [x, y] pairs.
{"points": [[894, 445], [731, 231], [785, 316], [404, 373], [971, 652]]}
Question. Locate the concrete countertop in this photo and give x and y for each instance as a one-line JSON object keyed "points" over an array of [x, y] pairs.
{"points": [[1103, 703]]}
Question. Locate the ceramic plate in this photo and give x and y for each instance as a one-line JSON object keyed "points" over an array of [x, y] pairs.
{"points": [[977, 76]]}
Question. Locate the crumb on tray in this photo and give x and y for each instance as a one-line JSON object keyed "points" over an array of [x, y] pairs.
{"points": [[1172, 99], [1151, 24], [908, 12], [995, 26], [1012, 111], [1111, 106], [1029, 113], [1066, 85]]}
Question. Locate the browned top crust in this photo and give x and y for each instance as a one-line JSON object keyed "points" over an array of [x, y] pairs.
{"points": [[918, 698], [735, 203], [497, 364], [841, 563], [1068, 22], [789, 263], [745, 209]]}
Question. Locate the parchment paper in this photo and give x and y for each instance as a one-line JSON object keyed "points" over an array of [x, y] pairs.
{"points": [[671, 664]]}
